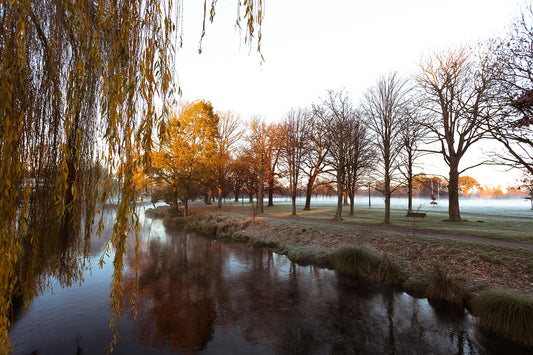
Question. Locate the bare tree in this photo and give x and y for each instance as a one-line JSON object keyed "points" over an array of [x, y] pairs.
{"points": [[360, 157], [293, 137], [514, 126], [336, 112], [456, 100], [412, 135], [384, 108], [228, 134], [315, 162]]}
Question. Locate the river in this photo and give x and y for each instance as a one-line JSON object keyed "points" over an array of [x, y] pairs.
{"points": [[201, 295]]}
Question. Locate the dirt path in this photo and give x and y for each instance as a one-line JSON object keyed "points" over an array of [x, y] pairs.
{"points": [[418, 232]]}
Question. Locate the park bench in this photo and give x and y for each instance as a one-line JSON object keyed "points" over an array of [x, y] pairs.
{"points": [[416, 214]]}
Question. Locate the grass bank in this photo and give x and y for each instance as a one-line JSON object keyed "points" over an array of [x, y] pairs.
{"points": [[460, 272]]}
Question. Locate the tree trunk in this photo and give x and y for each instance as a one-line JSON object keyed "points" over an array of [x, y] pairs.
{"points": [[454, 214], [410, 184], [387, 193], [410, 194], [352, 203], [309, 192], [340, 196], [260, 197], [270, 193], [219, 190], [345, 194], [293, 197]]}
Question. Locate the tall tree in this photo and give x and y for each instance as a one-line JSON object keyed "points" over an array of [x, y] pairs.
{"points": [[315, 160], [336, 112], [258, 155], [384, 107], [228, 134], [293, 138], [413, 134], [456, 85], [513, 127], [187, 150], [274, 148], [360, 157]]}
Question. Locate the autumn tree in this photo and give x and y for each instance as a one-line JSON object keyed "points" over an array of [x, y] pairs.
{"points": [[384, 108], [241, 177], [456, 85], [259, 158], [293, 138], [335, 112], [468, 185], [187, 150]]}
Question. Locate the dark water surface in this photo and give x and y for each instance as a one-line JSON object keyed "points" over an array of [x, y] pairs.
{"points": [[200, 295]]}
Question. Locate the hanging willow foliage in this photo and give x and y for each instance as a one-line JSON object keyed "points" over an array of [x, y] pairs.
{"points": [[79, 82]]}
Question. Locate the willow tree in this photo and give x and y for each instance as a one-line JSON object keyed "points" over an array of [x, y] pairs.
{"points": [[78, 83]]}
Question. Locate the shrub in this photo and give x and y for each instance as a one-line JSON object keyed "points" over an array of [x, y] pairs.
{"points": [[443, 288], [507, 314], [355, 261]]}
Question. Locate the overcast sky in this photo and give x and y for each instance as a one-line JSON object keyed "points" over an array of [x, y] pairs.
{"points": [[311, 46]]}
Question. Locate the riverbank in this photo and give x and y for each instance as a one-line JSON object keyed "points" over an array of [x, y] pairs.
{"points": [[422, 264]]}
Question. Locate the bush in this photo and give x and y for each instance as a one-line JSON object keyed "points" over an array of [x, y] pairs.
{"points": [[508, 314], [443, 288], [355, 261]]}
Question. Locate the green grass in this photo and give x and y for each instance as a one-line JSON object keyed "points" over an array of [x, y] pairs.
{"points": [[500, 228], [507, 314]]}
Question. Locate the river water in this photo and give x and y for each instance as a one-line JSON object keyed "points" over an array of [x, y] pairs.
{"points": [[201, 295]]}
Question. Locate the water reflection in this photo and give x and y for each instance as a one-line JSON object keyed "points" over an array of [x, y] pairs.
{"points": [[194, 289], [198, 294]]}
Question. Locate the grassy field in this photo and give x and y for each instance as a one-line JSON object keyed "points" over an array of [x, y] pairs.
{"points": [[499, 228]]}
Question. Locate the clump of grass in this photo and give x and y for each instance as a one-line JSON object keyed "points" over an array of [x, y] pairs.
{"points": [[443, 288], [355, 261], [507, 314], [173, 222], [416, 285], [390, 273], [307, 256]]}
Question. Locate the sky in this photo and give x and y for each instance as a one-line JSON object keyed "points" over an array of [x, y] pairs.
{"points": [[311, 46]]}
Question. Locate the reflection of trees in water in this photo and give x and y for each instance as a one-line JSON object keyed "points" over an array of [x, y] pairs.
{"points": [[189, 285], [174, 301]]}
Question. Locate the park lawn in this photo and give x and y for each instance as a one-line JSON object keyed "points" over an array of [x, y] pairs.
{"points": [[499, 228]]}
